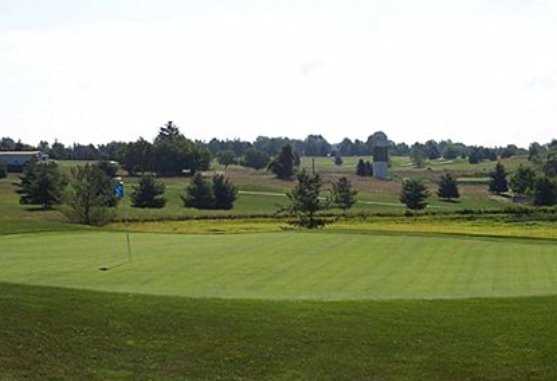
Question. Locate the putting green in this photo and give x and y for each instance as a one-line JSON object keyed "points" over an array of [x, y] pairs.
{"points": [[325, 266]]}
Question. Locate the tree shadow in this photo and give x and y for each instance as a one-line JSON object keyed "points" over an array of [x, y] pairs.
{"points": [[449, 201]]}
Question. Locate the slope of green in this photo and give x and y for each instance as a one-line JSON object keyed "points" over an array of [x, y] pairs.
{"points": [[49, 333], [331, 266]]}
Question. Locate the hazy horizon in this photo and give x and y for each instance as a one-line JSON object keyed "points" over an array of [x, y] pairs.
{"points": [[479, 72]]}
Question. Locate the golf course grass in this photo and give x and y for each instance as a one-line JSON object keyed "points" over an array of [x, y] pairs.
{"points": [[432, 297], [65, 334], [287, 265]]}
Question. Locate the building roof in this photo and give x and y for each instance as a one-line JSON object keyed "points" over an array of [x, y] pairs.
{"points": [[10, 153]]}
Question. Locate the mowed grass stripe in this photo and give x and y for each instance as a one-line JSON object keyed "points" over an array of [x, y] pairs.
{"points": [[284, 265]]}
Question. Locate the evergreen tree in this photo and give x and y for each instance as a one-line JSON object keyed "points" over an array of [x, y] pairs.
{"points": [[3, 170], [90, 193], [305, 201], [225, 193], [343, 195], [545, 192], [498, 183], [369, 168], [361, 169], [522, 182], [148, 193], [283, 165], [199, 194], [448, 188], [41, 184], [414, 194]]}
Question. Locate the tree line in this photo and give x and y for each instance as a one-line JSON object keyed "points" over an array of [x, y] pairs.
{"points": [[242, 151]]}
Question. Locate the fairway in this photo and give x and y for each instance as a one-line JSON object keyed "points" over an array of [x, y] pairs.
{"points": [[289, 265]]}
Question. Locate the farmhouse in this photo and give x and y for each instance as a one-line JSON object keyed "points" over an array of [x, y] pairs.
{"points": [[15, 160]]}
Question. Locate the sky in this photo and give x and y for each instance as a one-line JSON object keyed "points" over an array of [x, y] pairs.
{"points": [[480, 72]]}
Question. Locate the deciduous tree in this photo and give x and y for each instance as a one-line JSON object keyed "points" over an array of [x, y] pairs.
{"points": [[305, 202]]}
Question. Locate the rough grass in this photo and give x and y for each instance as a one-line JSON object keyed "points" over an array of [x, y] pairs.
{"points": [[49, 333], [331, 266], [542, 226]]}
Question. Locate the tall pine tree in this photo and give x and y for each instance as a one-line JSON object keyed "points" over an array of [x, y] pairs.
{"points": [[41, 184], [414, 194]]}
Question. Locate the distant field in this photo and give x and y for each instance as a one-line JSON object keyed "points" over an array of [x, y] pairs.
{"points": [[403, 164], [260, 193]]}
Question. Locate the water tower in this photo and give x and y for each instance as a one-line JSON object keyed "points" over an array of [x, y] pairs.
{"points": [[381, 157]]}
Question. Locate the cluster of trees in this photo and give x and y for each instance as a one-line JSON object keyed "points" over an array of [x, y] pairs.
{"points": [[525, 183], [170, 154], [364, 168], [252, 158], [305, 201], [88, 197], [89, 191], [431, 150], [219, 193], [414, 193]]}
